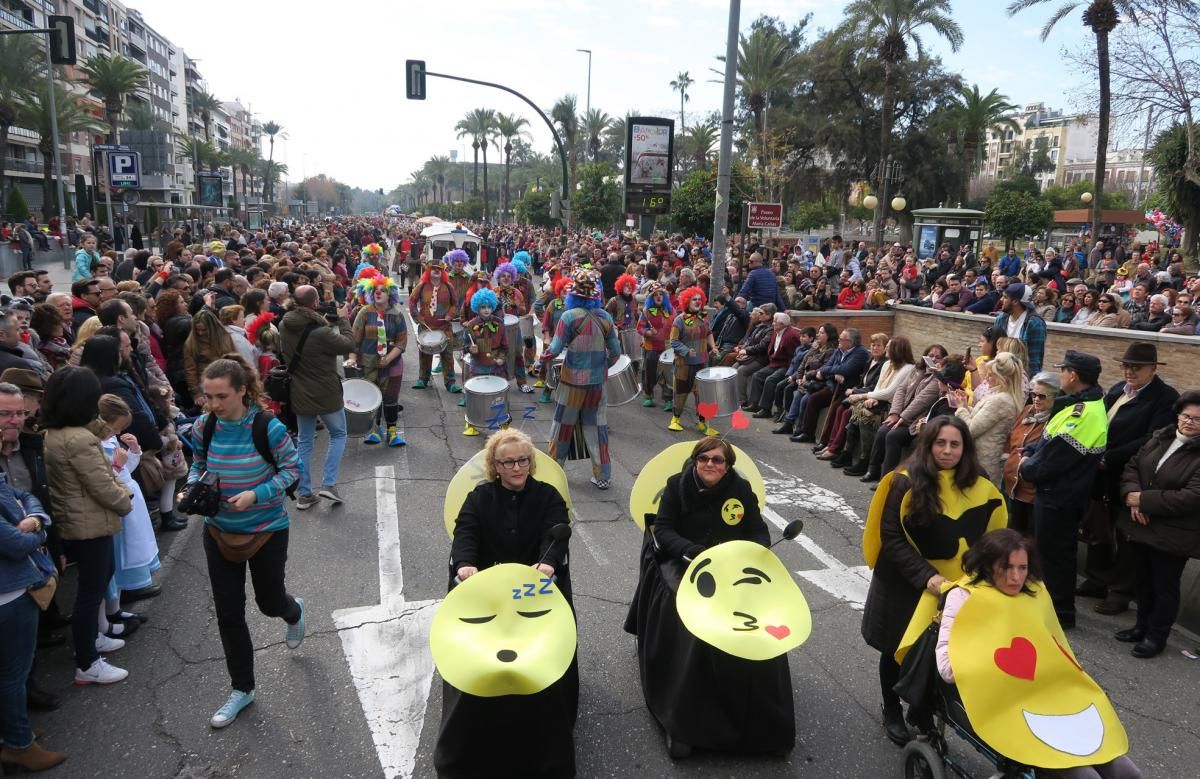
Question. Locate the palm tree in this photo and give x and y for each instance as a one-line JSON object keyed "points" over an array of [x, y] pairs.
{"points": [[893, 24], [564, 114], [250, 161], [112, 79], [595, 123], [976, 115], [489, 136], [240, 160], [73, 115], [21, 65], [139, 116], [701, 143], [269, 172], [681, 83], [475, 126], [203, 104], [509, 127], [1101, 17], [437, 168], [614, 137], [766, 63], [271, 129]]}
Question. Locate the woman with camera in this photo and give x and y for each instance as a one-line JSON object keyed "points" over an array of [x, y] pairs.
{"points": [[243, 463]]}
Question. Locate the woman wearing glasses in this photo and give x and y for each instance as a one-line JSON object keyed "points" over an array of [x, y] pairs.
{"points": [[507, 519], [1161, 488], [702, 696]]}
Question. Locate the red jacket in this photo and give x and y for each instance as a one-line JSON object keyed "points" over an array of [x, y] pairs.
{"points": [[781, 356]]}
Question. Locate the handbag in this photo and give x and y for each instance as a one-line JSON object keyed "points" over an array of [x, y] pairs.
{"points": [[278, 381], [919, 675], [150, 474], [43, 594]]}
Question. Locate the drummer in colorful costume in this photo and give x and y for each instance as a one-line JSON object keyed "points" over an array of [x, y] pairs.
{"points": [[623, 307], [587, 332], [655, 324], [488, 345], [692, 342], [431, 305], [381, 332], [523, 263], [512, 301], [553, 311], [460, 282]]}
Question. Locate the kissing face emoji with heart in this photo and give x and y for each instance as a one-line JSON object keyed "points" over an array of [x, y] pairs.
{"points": [[732, 511], [738, 597], [507, 630], [1024, 690]]}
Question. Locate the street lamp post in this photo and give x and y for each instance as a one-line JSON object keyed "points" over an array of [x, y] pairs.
{"points": [[589, 89], [884, 174], [1086, 198]]}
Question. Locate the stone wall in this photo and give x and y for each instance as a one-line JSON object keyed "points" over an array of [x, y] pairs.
{"points": [[867, 322]]}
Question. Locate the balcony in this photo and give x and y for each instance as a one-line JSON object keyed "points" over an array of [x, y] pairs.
{"points": [[92, 5], [97, 36], [10, 19], [12, 165]]}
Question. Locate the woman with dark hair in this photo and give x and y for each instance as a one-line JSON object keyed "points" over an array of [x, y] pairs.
{"points": [[869, 407], [89, 501], [176, 326], [102, 354], [254, 301], [701, 695], [250, 527], [918, 519], [1161, 487]]}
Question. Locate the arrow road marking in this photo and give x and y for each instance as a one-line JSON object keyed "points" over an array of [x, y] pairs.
{"points": [[386, 645]]}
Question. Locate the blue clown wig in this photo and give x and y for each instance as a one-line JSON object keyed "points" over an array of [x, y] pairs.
{"points": [[484, 297], [455, 255], [503, 268], [521, 266]]}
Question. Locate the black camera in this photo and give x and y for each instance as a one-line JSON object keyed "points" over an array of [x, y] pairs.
{"points": [[328, 309], [202, 498]]}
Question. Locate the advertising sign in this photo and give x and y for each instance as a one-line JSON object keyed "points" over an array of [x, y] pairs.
{"points": [[650, 152], [210, 189]]}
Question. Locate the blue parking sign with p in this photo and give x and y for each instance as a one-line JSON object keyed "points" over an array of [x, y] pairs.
{"points": [[124, 170]]}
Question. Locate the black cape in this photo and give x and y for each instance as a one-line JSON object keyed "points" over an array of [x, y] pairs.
{"points": [[498, 737], [700, 695]]}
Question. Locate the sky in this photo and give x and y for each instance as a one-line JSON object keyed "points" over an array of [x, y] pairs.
{"points": [[333, 73]]}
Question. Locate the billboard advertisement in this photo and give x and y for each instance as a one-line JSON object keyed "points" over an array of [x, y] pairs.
{"points": [[210, 185], [649, 152]]}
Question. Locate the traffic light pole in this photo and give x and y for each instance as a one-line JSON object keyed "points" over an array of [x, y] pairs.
{"points": [[562, 154], [62, 205]]}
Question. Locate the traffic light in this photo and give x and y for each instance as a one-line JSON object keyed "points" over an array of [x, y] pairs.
{"points": [[414, 79], [62, 40]]}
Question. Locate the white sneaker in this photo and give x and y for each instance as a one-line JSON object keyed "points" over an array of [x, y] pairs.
{"points": [[105, 644], [100, 672]]}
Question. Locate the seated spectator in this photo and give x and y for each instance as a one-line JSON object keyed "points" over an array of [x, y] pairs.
{"points": [[1066, 309], [1087, 307], [985, 299], [956, 297], [1158, 317], [852, 297], [1183, 322], [1045, 303], [1107, 312]]}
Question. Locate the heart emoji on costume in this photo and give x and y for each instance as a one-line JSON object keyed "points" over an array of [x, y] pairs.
{"points": [[739, 421], [778, 631], [1018, 659], [707, 410]]}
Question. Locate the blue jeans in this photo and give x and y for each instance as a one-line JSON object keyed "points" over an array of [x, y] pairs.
{"points": [[18, 640], [335, 423], [796, 410]]}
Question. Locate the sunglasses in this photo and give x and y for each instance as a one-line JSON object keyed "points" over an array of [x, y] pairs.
{"points": [[715, 459], [1038, 395]]}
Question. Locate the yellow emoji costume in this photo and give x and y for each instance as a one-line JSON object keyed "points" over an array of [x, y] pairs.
{"points": [[709, 595], [1023, 689]]}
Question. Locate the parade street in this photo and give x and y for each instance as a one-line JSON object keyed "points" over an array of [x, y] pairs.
{"points": [[360, 697]]}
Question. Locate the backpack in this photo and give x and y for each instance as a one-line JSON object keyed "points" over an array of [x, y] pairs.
{"points": [[278, 381], [258, 432]]}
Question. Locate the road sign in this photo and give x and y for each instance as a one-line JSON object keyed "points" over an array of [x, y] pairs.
{"points": [[414, 79], [62, 40], [124, 170], [131, 197], [111, 147], [765, 215]]}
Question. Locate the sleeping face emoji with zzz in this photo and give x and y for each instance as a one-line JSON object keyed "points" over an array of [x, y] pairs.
{"points": [[1023, 689], [738, 597], [507, 630]]}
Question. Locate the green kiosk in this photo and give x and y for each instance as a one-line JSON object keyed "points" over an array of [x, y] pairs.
{"points": [[933, 227]]}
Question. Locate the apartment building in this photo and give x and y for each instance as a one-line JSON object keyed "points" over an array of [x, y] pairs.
{"points": [[1125, 170], [1063, 136]]}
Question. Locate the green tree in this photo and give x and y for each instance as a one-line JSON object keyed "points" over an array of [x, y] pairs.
{"points": [[534, 209], [1063, 197], [595, 124], [476, 125], [700, 145], [73, 116], [509, 127], [1013, 215], [271, 129], [563, 114], [22, 65], [112, 79], [893, 24], [694, 201], [1029, 158], [1101, 17], [767, 62], [811, 215], [680, 84], [15, 208], [139, 116], [471, 208], [976, 116], [1179, 194], [438, 169], [597, 203]]}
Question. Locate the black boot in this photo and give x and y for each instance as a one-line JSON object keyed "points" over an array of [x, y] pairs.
{"points": [[171, 522], [38, 699], [893, 725], [857, 469], [783, 429], [841, 461]]}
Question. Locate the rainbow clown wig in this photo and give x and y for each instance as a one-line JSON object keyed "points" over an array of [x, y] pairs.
{"points": [[686, 296], [457, 257], [484, 297], [505, 269], [584, 291], [368, 285], [372, 250]]}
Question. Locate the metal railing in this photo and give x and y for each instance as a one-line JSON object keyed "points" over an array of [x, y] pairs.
{"points": [[23, 166], [16, 21]]}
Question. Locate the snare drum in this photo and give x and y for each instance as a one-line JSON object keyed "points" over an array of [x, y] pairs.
{"points": [[362, 400], [512, 334], [631, 344], [554, 370], [718, 385], [487, 400], [458, 336], [432, 341], [621, 386]]}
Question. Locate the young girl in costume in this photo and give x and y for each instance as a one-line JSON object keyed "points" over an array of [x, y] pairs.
{"points": [[655, 324], [487, 343]]}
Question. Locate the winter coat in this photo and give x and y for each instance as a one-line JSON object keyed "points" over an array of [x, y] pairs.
{"points": [[990, 421], [88, 498], [1130, 428], [1024, 431], [316, 386], [690, 520], [1170, 497], [496, 525]]}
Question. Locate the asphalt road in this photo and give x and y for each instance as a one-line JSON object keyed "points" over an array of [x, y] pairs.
{"points": [[356, 700]]}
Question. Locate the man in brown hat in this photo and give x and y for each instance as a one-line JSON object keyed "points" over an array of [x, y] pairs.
{"points": [[32, 386], [1137, 406]]}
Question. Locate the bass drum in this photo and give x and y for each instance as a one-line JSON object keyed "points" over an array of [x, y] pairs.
{"points": [[362, 400]]}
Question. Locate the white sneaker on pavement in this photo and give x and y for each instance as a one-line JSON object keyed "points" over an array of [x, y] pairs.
{"points": [[106, 644], [100, 672]]}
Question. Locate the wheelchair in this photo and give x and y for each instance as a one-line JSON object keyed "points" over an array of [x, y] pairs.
{"points": [[928, 756]]}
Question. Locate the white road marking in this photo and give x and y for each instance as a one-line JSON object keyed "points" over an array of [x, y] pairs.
{"points": [[844, 582], [387, 645], [585, 537]]}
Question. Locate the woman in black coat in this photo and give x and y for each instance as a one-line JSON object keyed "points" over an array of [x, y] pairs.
{"points": [[176, 326], [508, 519], [1161, 487], [102, 354], [701, 695]]}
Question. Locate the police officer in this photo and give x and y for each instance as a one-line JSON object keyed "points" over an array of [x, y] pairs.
{"points": [[1062, 465]]}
